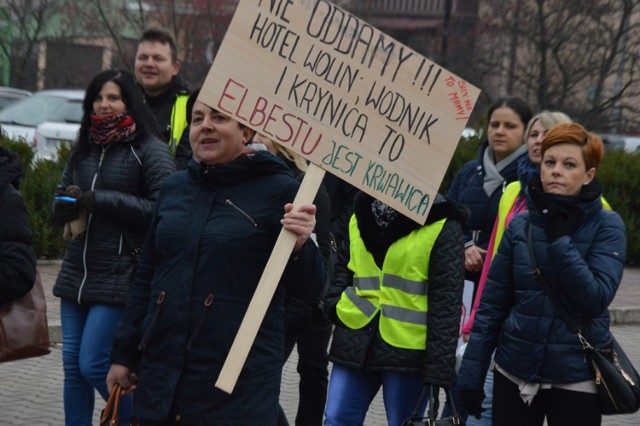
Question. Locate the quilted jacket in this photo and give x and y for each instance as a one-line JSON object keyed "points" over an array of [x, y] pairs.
{"points": [[517, 318], [126, 178], [364, 348]]}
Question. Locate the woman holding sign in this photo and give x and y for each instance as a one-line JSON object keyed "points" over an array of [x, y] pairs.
{"points": [[213, 231]]}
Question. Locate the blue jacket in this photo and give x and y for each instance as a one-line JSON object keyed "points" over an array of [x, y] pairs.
{"points": [[516, 316], [467, 189], [213, 231]]}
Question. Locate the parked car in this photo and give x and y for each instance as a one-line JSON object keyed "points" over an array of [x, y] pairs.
{"points": [[51, 135], [20, 119], [9, 95]]}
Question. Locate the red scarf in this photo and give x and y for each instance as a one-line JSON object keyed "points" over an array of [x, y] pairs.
{"points": [[107, 129]]}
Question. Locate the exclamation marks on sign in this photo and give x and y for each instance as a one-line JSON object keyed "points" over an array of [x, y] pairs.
{"points": [[427, 76]]}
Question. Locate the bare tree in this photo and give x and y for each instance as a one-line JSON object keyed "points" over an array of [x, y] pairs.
{"points": [[27, 21], [578, 56]]}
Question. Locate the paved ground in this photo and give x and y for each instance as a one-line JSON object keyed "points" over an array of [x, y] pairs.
{"points": [[31, 390]]}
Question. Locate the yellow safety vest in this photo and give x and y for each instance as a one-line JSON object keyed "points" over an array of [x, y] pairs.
{"points": [[398, 291], [507, 201], [178, 122]]}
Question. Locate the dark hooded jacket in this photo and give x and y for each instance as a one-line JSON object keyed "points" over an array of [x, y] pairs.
{"points": [[364, 348], [212, 234], [516, 316], [17, 257]]}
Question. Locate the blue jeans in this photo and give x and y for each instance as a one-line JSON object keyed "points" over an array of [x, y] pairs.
{"points": [[351, 392], [87, 331], [486, 418]]}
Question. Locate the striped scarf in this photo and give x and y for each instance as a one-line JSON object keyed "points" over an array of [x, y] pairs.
{"points": [[107, 129]]}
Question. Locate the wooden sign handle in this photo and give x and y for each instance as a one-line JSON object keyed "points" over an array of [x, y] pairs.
{"points": [[266, 288]]}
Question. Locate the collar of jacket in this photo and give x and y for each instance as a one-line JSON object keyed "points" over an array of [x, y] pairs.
{"points": [[244, 167]]}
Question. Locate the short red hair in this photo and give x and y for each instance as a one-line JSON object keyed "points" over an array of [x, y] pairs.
{"points": [[574, 134]]}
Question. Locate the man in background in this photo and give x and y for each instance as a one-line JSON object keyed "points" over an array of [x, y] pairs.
{"points": [[164, 90]]}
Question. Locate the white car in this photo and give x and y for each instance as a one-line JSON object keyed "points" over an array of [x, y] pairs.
{"points": [[9, 95], [20, 119], [50, 136]]}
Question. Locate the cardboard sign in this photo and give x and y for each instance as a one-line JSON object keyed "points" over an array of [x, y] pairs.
{"points": [[346, 96]]}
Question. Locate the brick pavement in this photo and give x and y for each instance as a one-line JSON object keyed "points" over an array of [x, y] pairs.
{"points": [[31, 391]]}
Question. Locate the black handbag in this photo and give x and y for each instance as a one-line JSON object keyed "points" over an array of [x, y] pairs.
{"points": [[617, 381], [432, 410]]}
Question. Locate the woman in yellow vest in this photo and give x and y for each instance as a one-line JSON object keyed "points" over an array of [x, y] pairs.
{"points": [[395, 300]]}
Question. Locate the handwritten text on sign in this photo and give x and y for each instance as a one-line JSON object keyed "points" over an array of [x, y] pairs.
{"points": [[346, 96]]}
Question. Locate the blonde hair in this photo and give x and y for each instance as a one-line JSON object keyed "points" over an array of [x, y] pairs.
{"points": [[548, 119], [294, 157]]}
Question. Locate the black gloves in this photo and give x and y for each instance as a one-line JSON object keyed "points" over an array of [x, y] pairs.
{"points": [[561, 224], [472, 401], [87, 201], [64, 211]]}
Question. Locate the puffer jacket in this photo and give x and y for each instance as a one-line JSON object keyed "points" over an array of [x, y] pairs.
{"points": [[467, 189], [213, 232], [516, 316], [364, 348], [17, 257], [126, 178]]}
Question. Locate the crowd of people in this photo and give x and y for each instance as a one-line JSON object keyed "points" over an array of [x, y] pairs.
{"points": [[175, 208]]}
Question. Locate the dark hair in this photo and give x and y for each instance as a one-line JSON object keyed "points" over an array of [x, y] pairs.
{"points": [[144, 119], [190, 102], [161, 36], [574, 134], [193, 97], [519, 106]]}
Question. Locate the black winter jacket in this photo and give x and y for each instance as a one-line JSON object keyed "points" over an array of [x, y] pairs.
{"points": [[365, 348], [17, 257], [212, 234], [126, 178]]}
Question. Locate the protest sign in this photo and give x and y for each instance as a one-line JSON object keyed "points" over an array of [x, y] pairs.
{"points": [[350, 99], [347, 97]]}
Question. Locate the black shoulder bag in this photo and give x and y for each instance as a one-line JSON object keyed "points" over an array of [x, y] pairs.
{"points": [[432, 411], [617, 381]]}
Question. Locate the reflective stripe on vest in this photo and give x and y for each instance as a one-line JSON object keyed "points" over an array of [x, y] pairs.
{"points": [[398, 291], [178, 122]]}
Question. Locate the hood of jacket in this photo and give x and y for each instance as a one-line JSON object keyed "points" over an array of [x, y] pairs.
{"points": [[10, 168], [245, 167], [378, 240]]}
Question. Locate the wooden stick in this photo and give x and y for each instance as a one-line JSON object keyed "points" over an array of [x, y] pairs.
{"points": [[266, 288]]}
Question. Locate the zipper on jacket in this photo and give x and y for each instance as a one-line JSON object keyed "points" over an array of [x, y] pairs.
{"points": [[147, 333], [86, 235], [207, 306], [242, 212]]}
